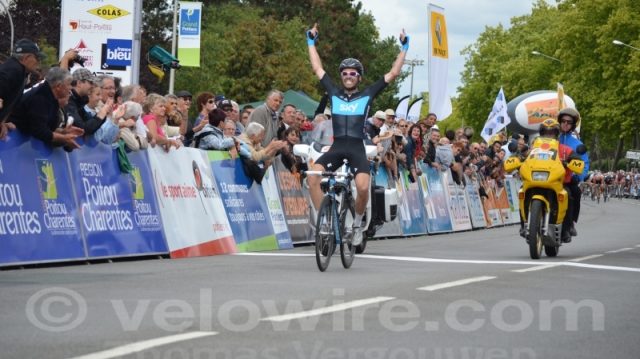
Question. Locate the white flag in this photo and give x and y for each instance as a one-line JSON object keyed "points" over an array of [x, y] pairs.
{"points": [[498, 118], [403, 107], [439, 101]]}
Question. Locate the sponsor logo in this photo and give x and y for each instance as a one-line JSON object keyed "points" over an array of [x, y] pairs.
{"points": [[355, 107], [440, 47], [46, 179], [190, 22], [105, 66], [118, 52], [89, 27], [109, 12], [86, 53], [137, 187]]}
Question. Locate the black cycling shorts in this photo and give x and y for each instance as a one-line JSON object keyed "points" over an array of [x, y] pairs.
{"points": [[349, 148]]}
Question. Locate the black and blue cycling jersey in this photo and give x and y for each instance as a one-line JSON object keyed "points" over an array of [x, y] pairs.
{"points": [[348, 113]]}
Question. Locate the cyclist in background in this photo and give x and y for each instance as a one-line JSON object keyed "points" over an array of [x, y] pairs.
{"points": [[349, 109]]}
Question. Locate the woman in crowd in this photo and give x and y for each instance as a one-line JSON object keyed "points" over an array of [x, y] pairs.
{"points": [[155, 118]]}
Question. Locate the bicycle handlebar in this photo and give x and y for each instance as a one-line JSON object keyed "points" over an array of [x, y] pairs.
{"points": [[327, 174]]}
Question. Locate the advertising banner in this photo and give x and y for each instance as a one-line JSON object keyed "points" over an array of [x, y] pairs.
{"points": [[193, 215], [244, 203], [512, 186], [502, 203], [189, 33], [435, 201], [102, 33], [412, 216], [38, 212], [475, 204], [296, 203], [389, 229], [438, 58], [457, 203], [278, 220], [117, 219], [491, 211]]}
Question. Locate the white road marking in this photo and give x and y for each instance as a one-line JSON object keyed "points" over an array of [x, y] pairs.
{"points": [[455, 283], [144, 345], [536, 268], [585, 258], [274, 254], [326, 310], [620, 250], [461, 261]]}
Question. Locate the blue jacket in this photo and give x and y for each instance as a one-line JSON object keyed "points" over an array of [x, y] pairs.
{"points": [[569, 140]]}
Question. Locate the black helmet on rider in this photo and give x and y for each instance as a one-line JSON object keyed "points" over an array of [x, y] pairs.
{"points": [[550, 128], [573, 113], [351, 63]]}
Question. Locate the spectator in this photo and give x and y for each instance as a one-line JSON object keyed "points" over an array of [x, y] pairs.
{"points": [[82, 82], [288, 119], [293, 163], [184, 104], [413, 150], [267, 116], [244, 117], [212, 137], [135, 138], [108, 85], [174, 126], [14, 72], [109, 130], [252, 140], [205, 102], [229, 128], [40, 112], [430, 147], [231, 113], [155, 119], [134, 93]]}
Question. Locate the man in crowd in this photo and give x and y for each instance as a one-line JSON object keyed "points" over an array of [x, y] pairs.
{"points": [[82, 82], [288, 119], [267, 115], [40, 112], [25, 59]]}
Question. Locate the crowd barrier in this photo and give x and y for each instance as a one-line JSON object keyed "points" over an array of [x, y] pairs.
{"points": [[68, 206]]}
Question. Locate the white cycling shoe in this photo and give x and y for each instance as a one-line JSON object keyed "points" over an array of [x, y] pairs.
{"points": [[357, 235]]}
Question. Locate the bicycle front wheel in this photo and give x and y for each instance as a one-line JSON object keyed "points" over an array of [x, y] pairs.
{"points": [[347, 250], [325, 235]]}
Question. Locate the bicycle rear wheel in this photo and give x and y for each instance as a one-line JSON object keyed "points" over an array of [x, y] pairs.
{"points": [[347, 250], [325, 235]]}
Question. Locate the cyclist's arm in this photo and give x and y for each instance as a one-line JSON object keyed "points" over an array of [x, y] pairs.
{"points": [[396, 68], [316, 63]]}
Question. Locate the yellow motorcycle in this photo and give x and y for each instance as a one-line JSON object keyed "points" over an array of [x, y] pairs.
{"points": [[542, 197]]}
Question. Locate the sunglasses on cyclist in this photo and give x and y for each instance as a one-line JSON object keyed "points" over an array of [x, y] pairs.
{"points": [[350, 73]]}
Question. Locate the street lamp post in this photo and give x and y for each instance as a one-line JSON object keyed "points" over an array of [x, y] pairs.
{"points": [[413, 63], [620, 43], [538, 53]]}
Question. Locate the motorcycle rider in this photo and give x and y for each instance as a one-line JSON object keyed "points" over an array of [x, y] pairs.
{"points": [[569, 119], [550, 128], [349, 108]]}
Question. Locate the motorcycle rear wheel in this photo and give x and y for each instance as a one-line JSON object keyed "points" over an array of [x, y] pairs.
{"points": [[536, 216]]}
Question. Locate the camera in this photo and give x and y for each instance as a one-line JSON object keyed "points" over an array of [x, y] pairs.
{"points": [[163, 58], [76, 60]]}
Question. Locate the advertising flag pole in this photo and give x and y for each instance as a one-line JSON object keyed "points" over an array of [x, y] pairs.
{"points": [[172, 72]]}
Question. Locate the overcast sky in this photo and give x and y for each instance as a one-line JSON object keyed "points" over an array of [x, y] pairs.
{"points": [[465, 20]]}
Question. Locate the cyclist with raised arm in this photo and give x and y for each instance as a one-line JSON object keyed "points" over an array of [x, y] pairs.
{"points": [[349, 109]]}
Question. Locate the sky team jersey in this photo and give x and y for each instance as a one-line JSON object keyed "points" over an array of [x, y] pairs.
{"points": [[348, 113]]}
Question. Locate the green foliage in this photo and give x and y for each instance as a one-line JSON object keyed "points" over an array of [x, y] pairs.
{"points": [[603, 79]]}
